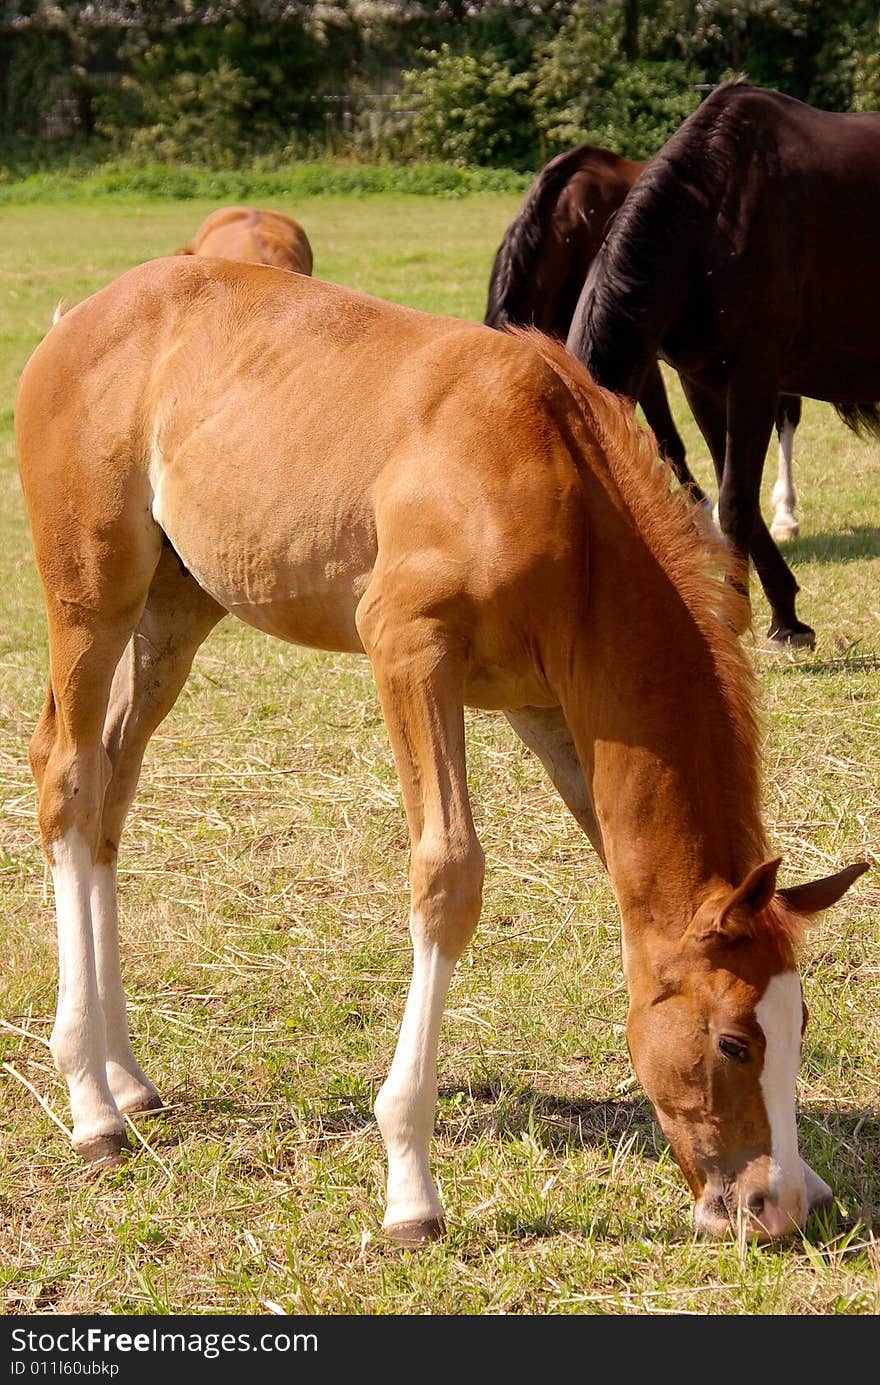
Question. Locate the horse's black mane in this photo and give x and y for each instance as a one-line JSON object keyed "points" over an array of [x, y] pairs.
{"points": [[689, 188], [683, 187], [524, 237]]}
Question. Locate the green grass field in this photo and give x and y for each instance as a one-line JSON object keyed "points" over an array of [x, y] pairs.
{"points": [[265, 949]]}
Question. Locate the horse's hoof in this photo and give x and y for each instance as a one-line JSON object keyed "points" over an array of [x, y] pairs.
{"points": [[783, 638], [104, 1151], [146, 1107], [410, 1235], [785, 533]]}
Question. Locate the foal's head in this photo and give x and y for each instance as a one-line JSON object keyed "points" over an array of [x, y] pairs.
{"points": [[714, 1031]]}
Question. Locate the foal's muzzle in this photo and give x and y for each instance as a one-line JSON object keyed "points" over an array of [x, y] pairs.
{"points": [[746, 1207]]}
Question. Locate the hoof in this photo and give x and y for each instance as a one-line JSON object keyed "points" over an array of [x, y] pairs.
{"points": [[105, 1151], [800, 637], [410, 1235], [786, 533], [146, 1107]]}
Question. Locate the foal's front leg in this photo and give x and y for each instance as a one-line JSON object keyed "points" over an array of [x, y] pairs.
{"points": [[420, 688]]}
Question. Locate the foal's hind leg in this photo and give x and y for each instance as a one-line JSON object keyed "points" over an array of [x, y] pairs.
{"points": [[91, 614], [177, 617], [420, 680], [545, 731]]}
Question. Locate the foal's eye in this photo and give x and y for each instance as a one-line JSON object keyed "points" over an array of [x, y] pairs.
{"points": [[734, 1048]]}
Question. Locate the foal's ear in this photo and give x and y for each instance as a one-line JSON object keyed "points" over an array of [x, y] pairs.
{"points": [[816, 895], [731, 919]]}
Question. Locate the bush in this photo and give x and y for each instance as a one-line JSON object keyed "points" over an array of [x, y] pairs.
{"points": [[470, 109], [866, 75], [159, 181], [198, 117], [586, 89], [633, 111]]}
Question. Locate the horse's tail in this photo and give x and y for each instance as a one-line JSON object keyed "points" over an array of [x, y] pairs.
{"points": [[509, 301], [863, 419]]}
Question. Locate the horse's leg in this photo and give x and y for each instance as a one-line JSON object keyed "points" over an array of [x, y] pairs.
{"points": [[177, 617], [655, 406], [420, 680], [91, 613], [545, 731], [784, 525], [751, 409], [709, 410]]}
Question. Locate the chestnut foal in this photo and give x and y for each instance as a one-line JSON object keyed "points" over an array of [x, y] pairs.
{"points": [[471, 511]]}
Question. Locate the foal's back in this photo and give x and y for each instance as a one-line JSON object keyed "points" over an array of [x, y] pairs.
{"points": [[284, 433]]}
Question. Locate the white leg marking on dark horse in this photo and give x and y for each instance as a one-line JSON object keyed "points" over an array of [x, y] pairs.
{"points": [[779, 1013], [131, 1089], [784, 499], [706, 515], [78, 1042], [407, 1102]]}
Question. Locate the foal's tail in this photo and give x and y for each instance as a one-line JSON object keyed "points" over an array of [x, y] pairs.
{"points": [[863, 419]]}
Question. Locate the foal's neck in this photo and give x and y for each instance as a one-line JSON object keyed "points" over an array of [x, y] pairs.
{"points": [[662, 719]]}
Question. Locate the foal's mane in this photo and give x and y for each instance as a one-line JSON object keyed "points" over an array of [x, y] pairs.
{"points": [[524, 237], [698, 570]]}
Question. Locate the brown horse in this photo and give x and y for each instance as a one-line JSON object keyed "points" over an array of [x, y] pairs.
{"points": [[746, 257], [468, 509], [539, 272], [240, 233]]}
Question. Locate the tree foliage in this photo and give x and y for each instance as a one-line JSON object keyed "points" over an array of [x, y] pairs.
{"points": [[489, 81], [470, 109]]}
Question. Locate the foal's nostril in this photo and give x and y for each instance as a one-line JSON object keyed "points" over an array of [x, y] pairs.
{"points": [[756, 1203]]}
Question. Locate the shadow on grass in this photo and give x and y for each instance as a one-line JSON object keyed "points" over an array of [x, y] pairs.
{"points": [[859, 542], [557, 1124], [844, 1145], [852, 661]]}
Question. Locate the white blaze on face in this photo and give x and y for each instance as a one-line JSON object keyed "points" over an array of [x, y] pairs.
{"points": [[779, 1014]]}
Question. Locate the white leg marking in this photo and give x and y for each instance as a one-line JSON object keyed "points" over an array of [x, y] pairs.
{"points": [[707, 520], [779, 1014], [130, 1087], [78, 1042], [783, 499], [154, 472], [407, 1102]]}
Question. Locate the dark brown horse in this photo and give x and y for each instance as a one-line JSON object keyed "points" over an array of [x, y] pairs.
{"points": [[545, 255], [540, 269], [746, 257]]}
